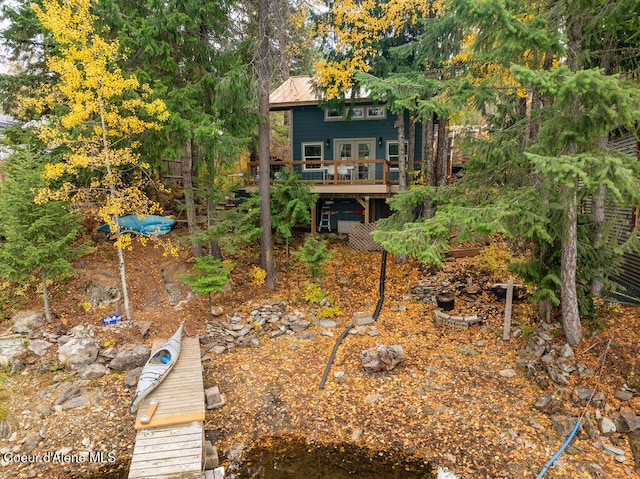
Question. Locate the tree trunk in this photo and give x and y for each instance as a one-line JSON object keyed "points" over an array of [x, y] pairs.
{"points": [[189, 200], [123, 273], [214, 247], [428, 167], [597, 283], [263, 70], [45, 297], [402, 163], [568, 269], [442, 157], [411, 155]]}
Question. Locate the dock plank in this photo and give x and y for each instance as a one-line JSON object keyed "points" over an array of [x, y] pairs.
{"points": [[171, 445]]}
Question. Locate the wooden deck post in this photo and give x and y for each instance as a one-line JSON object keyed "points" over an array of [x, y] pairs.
{"points": [[314, 218]]}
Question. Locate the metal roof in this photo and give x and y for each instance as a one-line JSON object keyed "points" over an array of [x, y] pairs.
{"points": [[303, 90], [297, 90]]}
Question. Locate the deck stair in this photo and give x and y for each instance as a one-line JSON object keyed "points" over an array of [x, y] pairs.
{"points": [[170, 444]]}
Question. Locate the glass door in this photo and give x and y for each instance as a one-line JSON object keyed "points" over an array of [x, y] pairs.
{"points": [[348, 151]]}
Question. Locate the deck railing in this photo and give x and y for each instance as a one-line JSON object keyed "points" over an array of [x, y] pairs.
{"points": [[331, 172]]}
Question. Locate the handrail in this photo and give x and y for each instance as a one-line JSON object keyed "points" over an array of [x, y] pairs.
{"points": [[377, 176]]}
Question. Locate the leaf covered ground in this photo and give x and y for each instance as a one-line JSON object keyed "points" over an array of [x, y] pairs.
{"points": [[446, 403]]}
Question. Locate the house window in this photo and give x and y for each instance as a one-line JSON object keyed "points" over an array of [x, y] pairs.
{"points": [[312, 152], [333, 115], [376, 112], [392, 152]]}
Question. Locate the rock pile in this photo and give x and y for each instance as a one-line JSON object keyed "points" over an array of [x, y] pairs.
{"points": [[551, 367], [270, 319]]}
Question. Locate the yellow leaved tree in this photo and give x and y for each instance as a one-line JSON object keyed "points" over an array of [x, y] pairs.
{"points": [[94, 117]]}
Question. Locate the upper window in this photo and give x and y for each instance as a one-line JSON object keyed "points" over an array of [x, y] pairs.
{"points": [[312, 152], [357, 113]]}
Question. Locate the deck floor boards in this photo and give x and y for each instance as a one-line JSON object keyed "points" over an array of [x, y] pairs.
{"points": [[171, 445]]}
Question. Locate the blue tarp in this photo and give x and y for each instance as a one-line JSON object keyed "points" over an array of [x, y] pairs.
{"points": [[148, 225]]}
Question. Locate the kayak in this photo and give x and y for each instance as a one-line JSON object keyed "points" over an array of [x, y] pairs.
{"points": [[157, 367], [148, 225]]}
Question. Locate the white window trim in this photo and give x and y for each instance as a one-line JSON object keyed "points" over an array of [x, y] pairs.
{"points": [[406, 152], [317, 167], [365, 114]]}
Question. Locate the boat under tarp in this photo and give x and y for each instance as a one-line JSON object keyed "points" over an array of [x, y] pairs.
{"points": [[148, 225]]}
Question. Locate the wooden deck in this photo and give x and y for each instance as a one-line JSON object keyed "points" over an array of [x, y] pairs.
{"points": [[171, 444]]}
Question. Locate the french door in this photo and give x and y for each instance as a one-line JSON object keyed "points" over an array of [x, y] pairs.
{"points": [[348, 151]]}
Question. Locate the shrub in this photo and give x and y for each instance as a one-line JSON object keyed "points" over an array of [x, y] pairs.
{"points": [[314, 253]]}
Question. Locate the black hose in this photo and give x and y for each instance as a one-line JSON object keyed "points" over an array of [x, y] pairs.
{"points": [[333, 355], [383, 271]]}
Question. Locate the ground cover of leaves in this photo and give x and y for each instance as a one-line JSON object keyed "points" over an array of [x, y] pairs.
{"points": [[442, 404]]}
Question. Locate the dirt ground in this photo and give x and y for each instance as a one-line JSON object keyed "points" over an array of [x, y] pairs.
{"points": [[447, 402]]}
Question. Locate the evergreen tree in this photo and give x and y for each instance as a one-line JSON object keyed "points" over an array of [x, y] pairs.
{"points": [[38, 238]]}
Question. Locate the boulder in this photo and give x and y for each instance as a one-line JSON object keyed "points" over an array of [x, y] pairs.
{"points": [[131, 379], [102, 289], [381, 358], [79, 352], [69, 392], [130, 357], [563, 424], [95, 370], [38, 346], [25, 322], [607, 426], [174, 289]]}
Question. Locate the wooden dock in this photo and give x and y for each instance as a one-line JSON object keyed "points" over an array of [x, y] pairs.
{"points": [[171, 444]]}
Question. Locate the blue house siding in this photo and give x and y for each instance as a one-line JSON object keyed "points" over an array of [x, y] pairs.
{"points": [[309, 125]]}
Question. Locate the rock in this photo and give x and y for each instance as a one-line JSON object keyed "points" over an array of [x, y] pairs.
{"points": [[355, 435], [607, 426], [467, 351], [219, 349], [299, 325], [75, 403], [566, 351], [217, 311], [507, 373], [581, 396], [623, 395], [144, 328], [69, 392], [25, 322], [557, 376], [174, 289], [38, 346], [563, 424], [381, 358], [102, 289], [616, 451], [109, 353], [588, 427], [131, 379], [628, 421], [130, 357], [30, 442], [362, 318], [78, 351], [214, 399], [95, 370], [308, 336], [5, 429]]}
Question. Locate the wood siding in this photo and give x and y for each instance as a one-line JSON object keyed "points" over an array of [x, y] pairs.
{"points": [[309, 125]]}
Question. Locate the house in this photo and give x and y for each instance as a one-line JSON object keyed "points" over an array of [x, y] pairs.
{"points": [[349, 157]]}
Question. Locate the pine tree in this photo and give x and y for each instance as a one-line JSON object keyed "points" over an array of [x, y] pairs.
{"points": [[38, 238]]}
